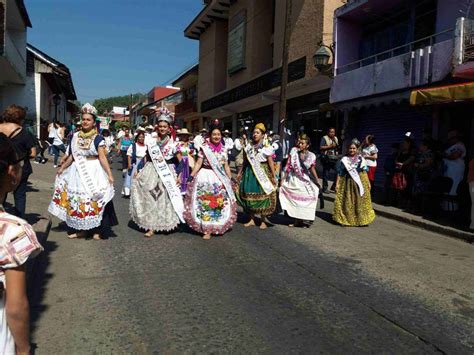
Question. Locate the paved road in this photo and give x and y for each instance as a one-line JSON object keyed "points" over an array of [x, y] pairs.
{"points": [[386, 288]]}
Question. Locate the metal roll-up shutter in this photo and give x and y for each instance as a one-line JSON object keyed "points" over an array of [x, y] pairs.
{"points": [[389, 123]]}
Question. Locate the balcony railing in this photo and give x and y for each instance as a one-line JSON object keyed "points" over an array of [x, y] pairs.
{"points": [[185, 107], [468, 52], [14, 56], [406, 48]]}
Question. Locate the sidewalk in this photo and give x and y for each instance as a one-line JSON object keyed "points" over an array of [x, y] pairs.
{"points": [[419, 221]]}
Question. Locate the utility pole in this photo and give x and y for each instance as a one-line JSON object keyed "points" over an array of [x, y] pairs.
{"points": [[130, 120], [284, 68]]}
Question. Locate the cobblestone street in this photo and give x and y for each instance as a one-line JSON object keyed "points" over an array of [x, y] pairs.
{"points": [[323, 289]]}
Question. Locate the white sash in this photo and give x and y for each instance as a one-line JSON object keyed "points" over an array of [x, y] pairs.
{"points": [[352, 170], [218, 170], [260, 174], [81, 164], [167, 178], [298, 169]]}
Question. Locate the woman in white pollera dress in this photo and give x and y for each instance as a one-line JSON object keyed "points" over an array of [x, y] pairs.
{"points": [[298, 194]]}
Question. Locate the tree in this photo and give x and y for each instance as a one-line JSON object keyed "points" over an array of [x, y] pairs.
{"points": [[106, 104]]}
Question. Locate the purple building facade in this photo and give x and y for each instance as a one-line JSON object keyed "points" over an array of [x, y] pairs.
{"points": [[386, 51]]}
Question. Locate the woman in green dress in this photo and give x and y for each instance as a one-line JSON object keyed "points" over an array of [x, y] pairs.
{"points": [[353, 205], [256, 192]]}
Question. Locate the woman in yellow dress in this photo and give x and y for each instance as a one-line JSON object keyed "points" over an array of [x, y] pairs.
{"points": [[353, 205]]}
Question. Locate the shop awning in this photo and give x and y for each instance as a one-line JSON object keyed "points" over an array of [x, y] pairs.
{"points": [[443, 94]]}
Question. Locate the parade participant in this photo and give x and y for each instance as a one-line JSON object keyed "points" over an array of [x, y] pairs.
{"points": [[18, 244], [83, 189], [256, 192], [155, 202], [210, 201], [135, 153], [298, 194], [353, 205], [185, 154], [228, 142], [125, 141]]}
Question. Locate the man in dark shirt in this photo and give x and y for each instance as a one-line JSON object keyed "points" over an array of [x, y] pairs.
{"points": [[329, 148], [11, 125]]}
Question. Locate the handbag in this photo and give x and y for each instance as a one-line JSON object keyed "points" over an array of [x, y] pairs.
{"points": [[399, 181]]}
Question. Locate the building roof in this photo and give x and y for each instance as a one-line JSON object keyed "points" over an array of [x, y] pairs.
{"points": [[24, 13], [159, 92], [214, 10], [62, 75], [194, 70]]}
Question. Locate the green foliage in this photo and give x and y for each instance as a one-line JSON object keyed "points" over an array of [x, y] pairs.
{"points": [[120, 125], [106, 104]]}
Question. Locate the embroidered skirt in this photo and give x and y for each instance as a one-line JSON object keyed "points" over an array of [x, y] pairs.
{"points": [[299, 198], [72, 204], [351, 209], [251, 196], [150, 205], [208, 208]]}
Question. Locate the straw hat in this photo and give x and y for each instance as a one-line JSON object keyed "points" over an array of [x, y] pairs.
{"points": [[183, 131], [453, 134]]}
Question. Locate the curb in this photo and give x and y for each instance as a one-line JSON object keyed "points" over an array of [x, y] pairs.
{"points": [[431, 226]]}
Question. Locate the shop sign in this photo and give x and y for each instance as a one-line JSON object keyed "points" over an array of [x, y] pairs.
{"points": [[236, 42], [104, 122]]}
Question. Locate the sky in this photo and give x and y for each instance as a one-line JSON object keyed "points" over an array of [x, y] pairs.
{"points": [[115, 47]]}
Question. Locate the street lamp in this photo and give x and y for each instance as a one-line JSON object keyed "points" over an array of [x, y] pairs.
{"points": [[56, 102], [322, 56]]}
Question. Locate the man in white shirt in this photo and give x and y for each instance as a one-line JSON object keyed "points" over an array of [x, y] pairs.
{"points": [[239, 144], [148, 134], [228, 142], [199, 139]]}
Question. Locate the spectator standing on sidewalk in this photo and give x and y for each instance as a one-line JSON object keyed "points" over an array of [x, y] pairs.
{"points": [[239, 144], [228, 143], [278, 155], [405, 166], [12, 126], [454, 160], [470, 180], [329, 147], [390, 168], [370, 153], [18, 243], [58, 142]]}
